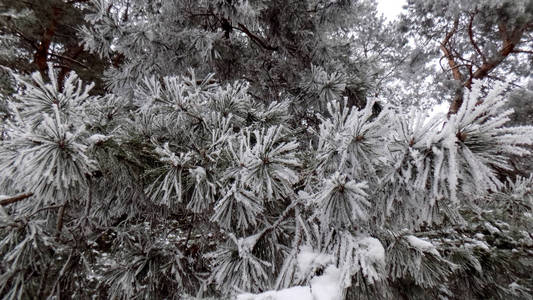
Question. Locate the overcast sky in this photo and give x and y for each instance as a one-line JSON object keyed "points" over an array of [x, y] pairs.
{"points": [[391, 8]]}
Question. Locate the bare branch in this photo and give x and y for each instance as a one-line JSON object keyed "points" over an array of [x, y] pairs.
{"points": [[45, 208], [72, 60], [60, 215], [27, 39], [255, 38], [471, 36], [510, 39], [281, 218], [522, 51], [77, 1], [509, 42], [7, 201], [447, 53]]}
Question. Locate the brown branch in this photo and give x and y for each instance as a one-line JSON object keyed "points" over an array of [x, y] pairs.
{"points": [[191, 225], [24, 37], [126, 14], [7, 201], [77, 1], [464, 61], [509, 42], [522, 51], [282, 218], [393, 69], [255, 38], [70, 59], [71, 54], [45, 208], [458, 100], [471, 36], [60, 215], [447, 53]]}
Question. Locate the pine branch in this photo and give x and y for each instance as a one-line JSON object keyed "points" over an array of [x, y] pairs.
{"points": [[7, 201], [255, 38], [60, 275], [282, 218]]}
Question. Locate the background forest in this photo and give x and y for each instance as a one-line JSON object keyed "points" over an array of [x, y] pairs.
{"points": [[262, 149]]}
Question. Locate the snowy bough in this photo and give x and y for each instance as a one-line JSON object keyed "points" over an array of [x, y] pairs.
{"points": [[189, 188]]}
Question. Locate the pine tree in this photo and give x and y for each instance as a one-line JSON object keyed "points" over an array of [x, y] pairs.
{"points": [[473, 40], [202, 173]]}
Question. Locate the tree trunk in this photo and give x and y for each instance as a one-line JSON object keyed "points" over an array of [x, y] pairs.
{"points": [[40, 58]]}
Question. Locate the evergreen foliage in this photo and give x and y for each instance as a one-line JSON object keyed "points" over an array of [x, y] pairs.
{"points": [[274, 171], [34, 33]]}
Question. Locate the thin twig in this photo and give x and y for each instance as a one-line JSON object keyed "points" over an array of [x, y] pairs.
{"points": [[45, 208], [282, 218], [61, 273], [72, 60], [255, 38], [190, 229], [471, 36], [89, 199], [60, 215], [522, 51]]}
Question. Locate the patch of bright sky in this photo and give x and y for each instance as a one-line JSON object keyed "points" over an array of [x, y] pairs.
{"points": [[391, 9]]}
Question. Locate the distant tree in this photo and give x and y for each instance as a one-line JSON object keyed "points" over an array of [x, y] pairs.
{"points": [[281, 49], [457, 42], [473, 40]]}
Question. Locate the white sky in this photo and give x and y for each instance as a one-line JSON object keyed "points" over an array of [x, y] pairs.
{"points": [[390, 8]]}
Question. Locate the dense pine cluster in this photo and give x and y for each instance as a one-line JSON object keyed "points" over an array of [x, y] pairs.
{"points": [[237, 147]]}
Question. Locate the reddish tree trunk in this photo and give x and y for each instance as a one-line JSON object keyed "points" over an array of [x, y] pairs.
{"points": [[40, 58]]}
